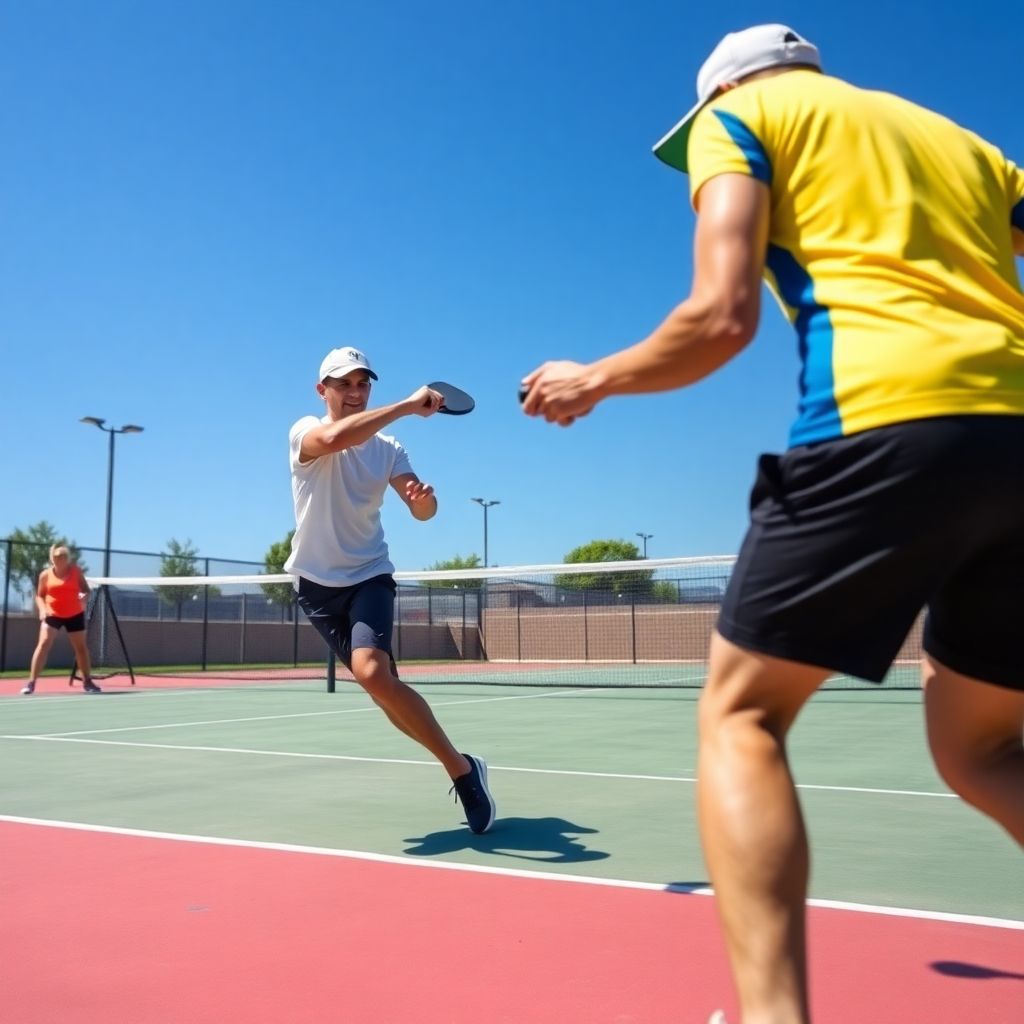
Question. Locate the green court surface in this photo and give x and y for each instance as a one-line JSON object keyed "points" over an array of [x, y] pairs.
{"points": [[588, 782]]}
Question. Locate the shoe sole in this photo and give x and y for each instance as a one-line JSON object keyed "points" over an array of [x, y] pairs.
{"points": [[481, 768]]}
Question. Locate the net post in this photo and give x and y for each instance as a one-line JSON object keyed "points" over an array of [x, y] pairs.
{"points": [[332, 671], [206, 611], [120, 637], [295, 632]]}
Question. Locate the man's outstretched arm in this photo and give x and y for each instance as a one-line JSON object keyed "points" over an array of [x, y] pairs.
{"points": [[705, 331]]}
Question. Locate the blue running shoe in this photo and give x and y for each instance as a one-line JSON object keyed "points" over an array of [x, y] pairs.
{"points": [[476, 798]]}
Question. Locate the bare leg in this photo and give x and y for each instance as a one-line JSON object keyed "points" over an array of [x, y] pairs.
{"points": [[976, 733], [405, 708], [752, 828], [81, 650], [47, 634]]}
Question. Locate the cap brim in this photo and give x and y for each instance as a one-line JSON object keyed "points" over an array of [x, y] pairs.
{"points": [[340, 371], [671, 148]]}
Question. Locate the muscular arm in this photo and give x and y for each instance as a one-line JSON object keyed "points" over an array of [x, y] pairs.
{"points": [[418, 496], [336, 436], [705, 331]]}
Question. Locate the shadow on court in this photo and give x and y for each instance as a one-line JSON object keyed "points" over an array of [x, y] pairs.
{"points": [[547, 840], [976, 972]]}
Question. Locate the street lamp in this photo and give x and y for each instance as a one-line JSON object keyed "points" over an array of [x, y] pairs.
{"points": [[646, 537], [485, 505], [128, 428]]}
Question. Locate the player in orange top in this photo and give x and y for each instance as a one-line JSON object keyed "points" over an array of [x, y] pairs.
{"points": [[59, 600]]}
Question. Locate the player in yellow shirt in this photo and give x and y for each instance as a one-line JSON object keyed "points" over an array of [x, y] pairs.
{"points": [[888, 235]]}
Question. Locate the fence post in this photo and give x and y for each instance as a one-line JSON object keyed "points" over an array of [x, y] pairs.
{"points": [[519, 625], [632, 618], [586, 631], [241, 645], [7, 590], [295, 631]]}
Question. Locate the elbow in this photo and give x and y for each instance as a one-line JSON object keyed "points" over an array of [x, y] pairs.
{"points": [[733, 324]]}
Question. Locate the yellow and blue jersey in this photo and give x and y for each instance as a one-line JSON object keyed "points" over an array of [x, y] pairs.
{"points": [[890, 249]]}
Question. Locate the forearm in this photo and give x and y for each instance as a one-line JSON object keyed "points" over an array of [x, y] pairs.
{"points": [[354, 430], [693, 341], [41, 607]]}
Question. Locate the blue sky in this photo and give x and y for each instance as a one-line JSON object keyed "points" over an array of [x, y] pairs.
{"points": [[199, 199]]}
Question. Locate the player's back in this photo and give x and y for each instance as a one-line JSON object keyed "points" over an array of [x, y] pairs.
{"points": [[890, 248]]}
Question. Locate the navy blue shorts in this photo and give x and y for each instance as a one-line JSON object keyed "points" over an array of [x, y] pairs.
{"points": [[72, 623], [850, 539], [348, 618]]}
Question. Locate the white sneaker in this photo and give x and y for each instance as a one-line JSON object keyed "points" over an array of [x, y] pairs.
{"points": [[28, 688], [718, 1017]]}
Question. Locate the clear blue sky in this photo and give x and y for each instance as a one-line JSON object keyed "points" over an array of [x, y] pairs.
{"points": [[199, 199]]}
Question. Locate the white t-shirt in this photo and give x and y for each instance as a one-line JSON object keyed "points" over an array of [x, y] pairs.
{"points": [[339, 540]]}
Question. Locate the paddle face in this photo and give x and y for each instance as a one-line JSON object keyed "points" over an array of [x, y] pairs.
{"points": [[456, 401]]}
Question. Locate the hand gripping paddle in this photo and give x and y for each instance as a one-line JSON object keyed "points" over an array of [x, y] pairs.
{"points": [[456, 401]]}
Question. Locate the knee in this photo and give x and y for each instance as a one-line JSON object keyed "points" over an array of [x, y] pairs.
{"points": [[963, 765], [374, 675]]}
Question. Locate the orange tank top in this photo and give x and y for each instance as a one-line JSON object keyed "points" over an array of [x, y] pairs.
{"points": [[62, 595]]}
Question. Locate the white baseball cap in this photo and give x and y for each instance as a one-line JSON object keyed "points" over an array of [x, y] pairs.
{"points": [[737, 55], [340, 361]]}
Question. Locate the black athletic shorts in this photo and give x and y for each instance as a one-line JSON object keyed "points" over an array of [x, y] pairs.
{"points": [[850, 539], [348, 618], [72, 623]]}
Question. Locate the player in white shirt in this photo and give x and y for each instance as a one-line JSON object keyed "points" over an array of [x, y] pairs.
{"points": [[341, 468]]}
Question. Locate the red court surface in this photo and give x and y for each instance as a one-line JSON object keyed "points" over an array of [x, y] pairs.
{"points": [[100, 927]]}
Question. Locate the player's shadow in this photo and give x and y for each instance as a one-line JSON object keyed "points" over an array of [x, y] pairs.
{"points": [[545, 840], [976, 972], [687, 887]]}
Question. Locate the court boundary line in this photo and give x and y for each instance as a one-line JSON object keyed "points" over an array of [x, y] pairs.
{"points": [[535, 695], [387, 858], [65, 738]]}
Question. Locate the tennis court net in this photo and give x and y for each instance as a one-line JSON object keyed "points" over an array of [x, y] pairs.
{"points": [[646, 623]]}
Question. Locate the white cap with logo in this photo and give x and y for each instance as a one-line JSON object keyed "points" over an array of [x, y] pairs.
{"points": [[340, 361], [737, 55]]}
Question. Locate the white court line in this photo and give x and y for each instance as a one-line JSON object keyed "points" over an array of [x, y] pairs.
{"points": [[545, 876], [58, 738], [300, 714]]}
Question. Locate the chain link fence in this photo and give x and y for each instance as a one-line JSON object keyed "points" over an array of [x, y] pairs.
{"points": [[21, 563]]}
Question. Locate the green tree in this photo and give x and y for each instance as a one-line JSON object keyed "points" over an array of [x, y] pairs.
{"points": [[458, 562], [181, 560], [282, 594], [631, 583], [30, 554]]}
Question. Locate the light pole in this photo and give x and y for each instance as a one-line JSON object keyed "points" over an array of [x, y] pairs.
{"points": [[128, 428], [485, 505], [646, 537]]}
